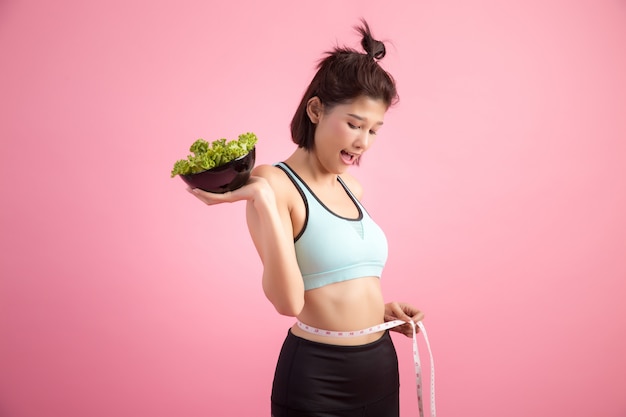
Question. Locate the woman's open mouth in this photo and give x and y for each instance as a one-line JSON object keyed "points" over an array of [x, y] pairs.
{"points": [[349, 158]]}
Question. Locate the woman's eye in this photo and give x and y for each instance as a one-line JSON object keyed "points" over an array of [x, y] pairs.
{"points": [[372, 132], [352, 126]]}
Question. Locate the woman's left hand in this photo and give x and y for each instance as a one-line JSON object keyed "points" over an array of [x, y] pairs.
{"points": [[404, 312]]}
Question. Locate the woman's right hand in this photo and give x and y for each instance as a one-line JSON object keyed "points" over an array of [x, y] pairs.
{"points": [[255, 187]]}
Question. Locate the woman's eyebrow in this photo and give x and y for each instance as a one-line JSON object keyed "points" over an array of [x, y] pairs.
{"points": [[362, 118]]}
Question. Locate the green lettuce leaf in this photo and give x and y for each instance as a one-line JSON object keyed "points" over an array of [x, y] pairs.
{"points": [[205, 155]]}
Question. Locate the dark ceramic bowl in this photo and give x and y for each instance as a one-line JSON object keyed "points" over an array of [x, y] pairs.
{"points": [[227, 177]]}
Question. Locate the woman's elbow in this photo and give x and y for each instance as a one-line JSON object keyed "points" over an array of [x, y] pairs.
{"points": [[287, 300], [289, 308], [286, 305]]}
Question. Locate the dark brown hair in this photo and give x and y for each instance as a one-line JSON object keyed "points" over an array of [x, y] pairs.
{"points": [[343, 75]]}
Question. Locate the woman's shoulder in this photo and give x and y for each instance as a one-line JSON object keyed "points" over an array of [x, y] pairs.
{"points": [[353, 184], [269, 172], [275, 176]]}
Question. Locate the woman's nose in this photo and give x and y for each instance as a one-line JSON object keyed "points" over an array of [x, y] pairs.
{"points": [[363, 140]]}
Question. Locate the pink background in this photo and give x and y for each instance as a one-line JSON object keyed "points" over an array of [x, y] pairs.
{"points": [[500, 179]]}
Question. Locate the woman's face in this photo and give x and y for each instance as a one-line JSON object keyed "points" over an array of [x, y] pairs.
{"points": [[344, 132]]}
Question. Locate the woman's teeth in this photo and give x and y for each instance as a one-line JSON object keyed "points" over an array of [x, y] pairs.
{"points": [[348, 157]]}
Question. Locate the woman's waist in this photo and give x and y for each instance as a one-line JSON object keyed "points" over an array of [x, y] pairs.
{"points": [[344, 306], [318, 335], [327, 325]]}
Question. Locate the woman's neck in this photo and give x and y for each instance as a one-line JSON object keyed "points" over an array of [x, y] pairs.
{"points": [[308, 166]]}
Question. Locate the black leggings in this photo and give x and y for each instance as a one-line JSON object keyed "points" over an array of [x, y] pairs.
{"points": [[320, 380]]}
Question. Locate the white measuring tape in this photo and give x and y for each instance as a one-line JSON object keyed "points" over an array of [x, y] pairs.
{"points": [[416, 357]]}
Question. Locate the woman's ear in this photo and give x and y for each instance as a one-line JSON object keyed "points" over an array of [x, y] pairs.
{"points": [[314, 109]]}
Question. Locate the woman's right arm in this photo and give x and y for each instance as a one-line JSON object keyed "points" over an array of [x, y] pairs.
{"points": [[269, 223]]}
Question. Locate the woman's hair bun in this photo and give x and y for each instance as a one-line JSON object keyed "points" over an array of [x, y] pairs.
{"points": [[374, 48]]}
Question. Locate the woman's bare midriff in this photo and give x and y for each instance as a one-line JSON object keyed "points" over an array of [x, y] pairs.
{"points": [[349, 305]]}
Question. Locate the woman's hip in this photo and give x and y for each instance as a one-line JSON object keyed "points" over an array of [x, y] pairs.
{"points": [[317, 376]]}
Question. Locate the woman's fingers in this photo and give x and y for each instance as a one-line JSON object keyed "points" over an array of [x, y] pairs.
{"points": [[248, 191], [398, 311], [419, 316], [404, 312]]}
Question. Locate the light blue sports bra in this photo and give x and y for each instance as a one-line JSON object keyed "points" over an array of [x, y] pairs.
{"points": [[331, 248]]}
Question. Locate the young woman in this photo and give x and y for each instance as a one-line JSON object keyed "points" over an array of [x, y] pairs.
{"points": [[322, 253]]}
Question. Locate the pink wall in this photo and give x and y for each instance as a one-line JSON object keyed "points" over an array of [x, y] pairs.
{"points": [[500, 179]]}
